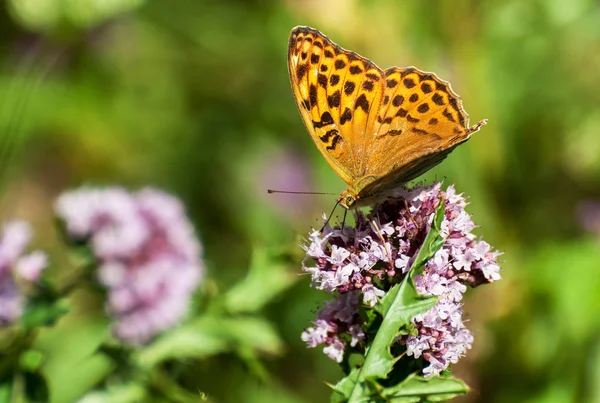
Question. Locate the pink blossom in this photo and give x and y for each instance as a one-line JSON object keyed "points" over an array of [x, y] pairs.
{"points": [[16, 267], [147, 254], [369, 258]]}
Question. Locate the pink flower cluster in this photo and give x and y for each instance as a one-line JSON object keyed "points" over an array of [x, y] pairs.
{"points": [[369, 258], [338, 317], [16, 267], [148, 255]]}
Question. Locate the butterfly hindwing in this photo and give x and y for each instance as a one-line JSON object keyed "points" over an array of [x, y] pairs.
{"points": [[420, 122]]}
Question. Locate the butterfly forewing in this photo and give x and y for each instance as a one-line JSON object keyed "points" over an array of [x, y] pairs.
{"points": [[376, 128], [335, 91]]}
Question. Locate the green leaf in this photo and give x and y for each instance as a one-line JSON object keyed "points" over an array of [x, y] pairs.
{"points": [[43, 312], [432, 243], [400, 304], [121, 393], [211, 335], [31, 360], [407, 303], [36, 387], [417, 388], [6, 389], [71, 364], [267, 278], [343, 389]]}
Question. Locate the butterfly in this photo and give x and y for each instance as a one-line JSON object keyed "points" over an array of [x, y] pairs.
{"points": [[377, 128]]}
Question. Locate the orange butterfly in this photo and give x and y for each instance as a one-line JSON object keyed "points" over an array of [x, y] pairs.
{"points": [[376, 128]]}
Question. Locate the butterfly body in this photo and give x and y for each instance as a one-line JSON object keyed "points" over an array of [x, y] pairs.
{"points": [[376, 128]]}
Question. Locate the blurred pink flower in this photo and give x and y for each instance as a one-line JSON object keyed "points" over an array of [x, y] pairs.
{"points": [[588, 215], [15, 266], [149, 256], [287, 170]]}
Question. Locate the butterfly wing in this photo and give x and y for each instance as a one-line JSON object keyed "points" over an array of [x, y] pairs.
{"points": [[377, 129], [420, 121], [335, 90]]}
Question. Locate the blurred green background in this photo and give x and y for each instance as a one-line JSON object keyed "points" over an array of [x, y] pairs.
{"points": [[193, 97]]}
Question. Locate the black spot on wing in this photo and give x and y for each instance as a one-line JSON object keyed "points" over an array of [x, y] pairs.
{"points": [[448, 115], [339, 64], [346, 116], [454, 104], [322, 80], [325, 138], [334, 99], [326, 119], [301, 71], [334, 143], [423, 107], [406, 71], [387, 120], [362, 103], [420, 131], [352, 56], [349, 87], [312, 95], [438, 99], [397, 101], [355, 70]]}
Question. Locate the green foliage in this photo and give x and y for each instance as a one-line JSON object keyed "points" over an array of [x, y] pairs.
{"points": [[43, 311], [210, 335], [223, 328], [419, 389], [268, 276]]}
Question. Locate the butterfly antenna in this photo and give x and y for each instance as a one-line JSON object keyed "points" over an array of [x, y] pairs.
{"points": [[330, 215], [271, 191]]}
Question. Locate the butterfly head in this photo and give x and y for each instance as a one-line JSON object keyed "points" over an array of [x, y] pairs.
{"points": [[348, 199]]}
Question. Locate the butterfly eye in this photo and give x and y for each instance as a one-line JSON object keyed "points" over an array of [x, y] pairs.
{"points": [[350, 200]]}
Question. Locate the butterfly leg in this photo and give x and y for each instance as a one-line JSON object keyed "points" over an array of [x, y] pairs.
{"points": [[410, 217], [388, 252]]}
